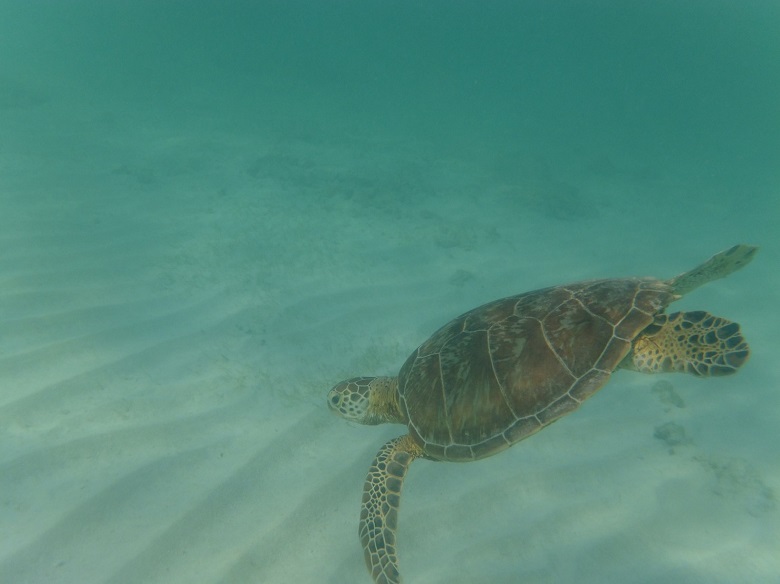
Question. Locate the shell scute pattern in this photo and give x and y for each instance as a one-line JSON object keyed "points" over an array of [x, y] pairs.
{"points": [[419, 383], [506, 369], [539, 303], [589, 384], [436, 342], [576, 336]]}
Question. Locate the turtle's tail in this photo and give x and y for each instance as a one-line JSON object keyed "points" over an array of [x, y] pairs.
{"points": [[690, 342]]}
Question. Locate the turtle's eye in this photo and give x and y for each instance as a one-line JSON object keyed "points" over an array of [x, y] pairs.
{"points": [[335, 399]]}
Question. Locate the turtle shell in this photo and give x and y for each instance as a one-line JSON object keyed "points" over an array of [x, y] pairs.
{"points": [[503, 371]]}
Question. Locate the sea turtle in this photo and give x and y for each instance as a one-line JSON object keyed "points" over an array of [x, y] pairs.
{"points": [[505, 370]]}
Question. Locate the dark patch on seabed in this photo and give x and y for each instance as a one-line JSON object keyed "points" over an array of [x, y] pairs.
{"points": [[735, 479]]}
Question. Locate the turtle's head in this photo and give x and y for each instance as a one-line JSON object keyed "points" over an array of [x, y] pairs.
{"points": [[366, 400]]}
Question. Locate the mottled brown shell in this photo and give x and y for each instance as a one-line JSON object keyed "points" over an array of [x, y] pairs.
{"points": [[505, 370]]}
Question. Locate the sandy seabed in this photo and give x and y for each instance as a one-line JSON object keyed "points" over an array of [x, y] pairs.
{"points": [[175, 304]]}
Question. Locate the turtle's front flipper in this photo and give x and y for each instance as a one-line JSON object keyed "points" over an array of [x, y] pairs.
{"points": [[379, 514], [691, 342]]}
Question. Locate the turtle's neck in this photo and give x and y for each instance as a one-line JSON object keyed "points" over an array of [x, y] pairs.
{"points": [[384, 401]]}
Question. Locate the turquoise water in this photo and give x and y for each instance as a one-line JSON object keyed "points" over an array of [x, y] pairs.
{"points": [[211, 212]]}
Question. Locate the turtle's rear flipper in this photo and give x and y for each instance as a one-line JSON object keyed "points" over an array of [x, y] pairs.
{"points": [[718, 266], [691, 342]]}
